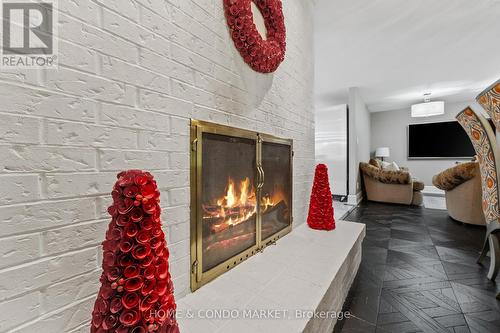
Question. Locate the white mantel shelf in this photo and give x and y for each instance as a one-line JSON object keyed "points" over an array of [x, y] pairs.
{"points": [[307, 270]]}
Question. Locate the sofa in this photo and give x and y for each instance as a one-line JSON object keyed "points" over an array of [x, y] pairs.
{"points": [[390, 186], [462, 186]]}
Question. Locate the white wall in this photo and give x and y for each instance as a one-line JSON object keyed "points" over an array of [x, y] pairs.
{"points": [[331, 145], [389, 129], [359, 141], [132, 73]]}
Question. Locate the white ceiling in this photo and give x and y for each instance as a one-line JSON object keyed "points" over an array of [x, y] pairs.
{"points": [[397, 50]]}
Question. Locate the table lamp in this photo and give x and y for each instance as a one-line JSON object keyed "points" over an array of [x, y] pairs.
{"points": [[382, 152]]}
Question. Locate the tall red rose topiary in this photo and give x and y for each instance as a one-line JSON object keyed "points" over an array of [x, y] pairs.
{"points": [[136, 295], [321, 206]]}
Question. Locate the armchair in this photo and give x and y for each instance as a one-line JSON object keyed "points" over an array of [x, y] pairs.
{"points": [[462, 186], [390, 186]]}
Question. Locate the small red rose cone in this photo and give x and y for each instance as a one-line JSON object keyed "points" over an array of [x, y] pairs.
{"points": [[321, 206], [136, 294]]}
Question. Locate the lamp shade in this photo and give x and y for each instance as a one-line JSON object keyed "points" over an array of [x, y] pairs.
{"points": [[382, 152], [427, 109]]}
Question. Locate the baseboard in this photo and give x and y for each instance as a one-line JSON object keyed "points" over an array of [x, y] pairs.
{"points": [[340, 198], [355, 199], [433, 191]]}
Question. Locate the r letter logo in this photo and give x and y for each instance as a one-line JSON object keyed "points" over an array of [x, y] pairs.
{"points": [[28, 34]]}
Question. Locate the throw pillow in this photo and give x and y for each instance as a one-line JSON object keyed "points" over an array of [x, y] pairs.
{"points": [[375, 162], [384, 165], [392, 167]]}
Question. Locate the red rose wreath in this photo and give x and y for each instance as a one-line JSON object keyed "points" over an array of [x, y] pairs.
{"points": [[136, 295], [262, 55]]}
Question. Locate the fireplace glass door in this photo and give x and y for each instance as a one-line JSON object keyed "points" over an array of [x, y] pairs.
{"points": [[276, 190], [241, 196], [229, 202]]}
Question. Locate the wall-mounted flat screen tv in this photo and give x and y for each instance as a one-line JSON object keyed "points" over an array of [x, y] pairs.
{"points": [[443, 140]]}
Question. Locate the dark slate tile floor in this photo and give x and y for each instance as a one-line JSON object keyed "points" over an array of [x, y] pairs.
{"points": [[419, 274]]}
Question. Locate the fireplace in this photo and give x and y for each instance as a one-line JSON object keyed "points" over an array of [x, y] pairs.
{"points": [[241, 196]]}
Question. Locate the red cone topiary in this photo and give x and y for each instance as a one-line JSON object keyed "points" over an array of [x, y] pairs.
{"points": [[136, 295], [321, 206]]}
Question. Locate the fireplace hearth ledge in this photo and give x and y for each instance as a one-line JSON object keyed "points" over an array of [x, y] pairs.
{"points": [[306, 271]]}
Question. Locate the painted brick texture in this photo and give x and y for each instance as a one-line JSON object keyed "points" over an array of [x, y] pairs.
{"points": [[132, 73]]}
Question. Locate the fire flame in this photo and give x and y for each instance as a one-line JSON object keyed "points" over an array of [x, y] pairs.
{"points": [[239, 204], [245, 187], [230, 197]]}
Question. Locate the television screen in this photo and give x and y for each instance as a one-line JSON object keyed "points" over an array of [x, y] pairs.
{"points": [[445, 140]]}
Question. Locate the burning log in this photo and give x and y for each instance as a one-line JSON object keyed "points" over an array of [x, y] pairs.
{"points": [[219, 223], [229, 243], [235, 239], [242, 215], [275, 219], [229, 222], [217, 210], [218, 228]]}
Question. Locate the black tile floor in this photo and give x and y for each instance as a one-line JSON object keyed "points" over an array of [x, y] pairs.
{"points": [[419, 274]]}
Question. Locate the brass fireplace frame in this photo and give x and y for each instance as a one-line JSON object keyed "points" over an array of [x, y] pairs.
{"points": [[198, 277]]}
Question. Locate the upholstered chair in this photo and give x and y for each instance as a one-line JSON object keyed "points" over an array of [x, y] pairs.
{"points": [[463, 193], [484, 142], [390, 186]]}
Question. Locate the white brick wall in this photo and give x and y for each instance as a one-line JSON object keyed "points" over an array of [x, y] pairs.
{"points": [[132, 73]]}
